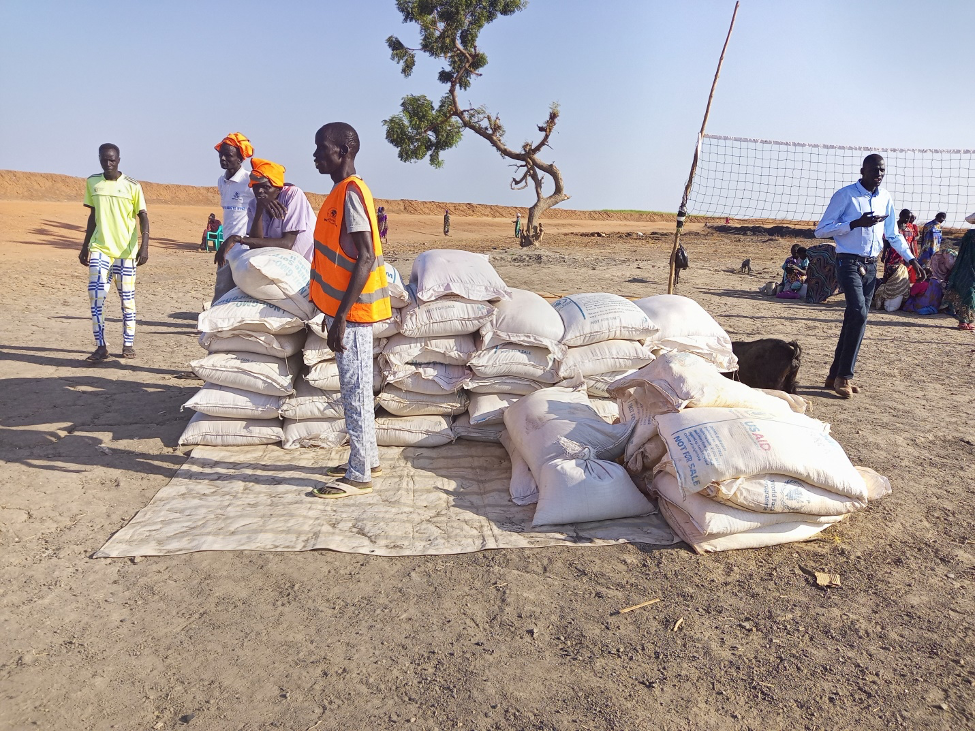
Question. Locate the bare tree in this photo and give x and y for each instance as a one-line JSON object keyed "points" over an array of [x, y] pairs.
{"points": [[449, 32]]}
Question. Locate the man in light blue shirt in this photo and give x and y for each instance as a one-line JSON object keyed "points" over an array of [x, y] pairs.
{"points": [[857, 217]]}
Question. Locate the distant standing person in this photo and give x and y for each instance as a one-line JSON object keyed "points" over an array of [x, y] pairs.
{"points": [[236, 196], [959, 295], [931, 238], [349, 286], [112, 248], [447, 221], [518, 223], [857, 217], [382, 224], [281, 216]]}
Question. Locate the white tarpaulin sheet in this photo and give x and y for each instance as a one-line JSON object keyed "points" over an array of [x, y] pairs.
{"points": [[450, 499]]}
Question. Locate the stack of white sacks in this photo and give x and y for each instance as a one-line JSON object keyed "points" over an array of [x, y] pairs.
{"points": [[253, 335], [733, 466], [572, 390]]}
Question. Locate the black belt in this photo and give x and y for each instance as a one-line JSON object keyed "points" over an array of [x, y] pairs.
{"points": [[862, 259]]}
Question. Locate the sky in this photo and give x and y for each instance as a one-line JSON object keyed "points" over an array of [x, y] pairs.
{"points": [[167, 80]]}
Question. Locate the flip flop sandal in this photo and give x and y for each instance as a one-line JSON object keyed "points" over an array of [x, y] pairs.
{"points": [[97, 357], [130, 353], [340, 471], [344, 490]]}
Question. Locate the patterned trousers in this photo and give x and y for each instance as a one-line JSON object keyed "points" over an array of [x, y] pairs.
{"points": [[102, 270], [356, 385]]}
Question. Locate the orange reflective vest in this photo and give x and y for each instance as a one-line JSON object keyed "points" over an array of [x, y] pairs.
{"points": [[332, 268]]}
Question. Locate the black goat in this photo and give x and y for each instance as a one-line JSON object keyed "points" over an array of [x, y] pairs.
{"points": [[768, 363]]}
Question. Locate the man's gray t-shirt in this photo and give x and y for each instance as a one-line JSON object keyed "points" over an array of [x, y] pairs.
{"points": [[355, 219]]}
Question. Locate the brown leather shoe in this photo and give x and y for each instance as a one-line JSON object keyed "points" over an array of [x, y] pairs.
{"points": [[853, 387], [829, 382], [842, 387]]}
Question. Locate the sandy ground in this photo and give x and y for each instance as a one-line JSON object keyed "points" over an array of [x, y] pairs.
{"points": [[499, 640]]}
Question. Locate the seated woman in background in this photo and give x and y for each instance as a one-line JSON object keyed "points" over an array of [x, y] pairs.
{"points": [[926, 296], [942, 264], [795, 273], [892, 290], [959, 295]]}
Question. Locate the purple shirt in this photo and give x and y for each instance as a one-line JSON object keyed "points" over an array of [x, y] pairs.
{"points": [[298, 217]]}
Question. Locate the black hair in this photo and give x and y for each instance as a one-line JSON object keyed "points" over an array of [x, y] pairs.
{"points": [[801, 252], [343, 134], [870, 158], [109, 146]]}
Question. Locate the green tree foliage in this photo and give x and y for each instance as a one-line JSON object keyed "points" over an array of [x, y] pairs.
{"points": [[449, 32]]}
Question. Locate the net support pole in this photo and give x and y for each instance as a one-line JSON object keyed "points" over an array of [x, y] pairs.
{"points": [[680, 218]]}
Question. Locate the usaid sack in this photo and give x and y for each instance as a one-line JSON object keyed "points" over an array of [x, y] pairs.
{"points": [[488, 408], [214, 431], [591, 318], [441, 272], [520, 361], [243, 341], [395, 287], [247, 372], [584, 490], [316, 350], [443, 317], [277, 276], [409, 403], [684, 325], [608, 356], [309, 402], [713, 445], [434, 378], [239, 311], [401, 350], [507, 385], [414, 431], [322, 433], [526, 319], [522, 485], [462, 428], [382, 329], [687, 381], [325, 376], [232, 403]]}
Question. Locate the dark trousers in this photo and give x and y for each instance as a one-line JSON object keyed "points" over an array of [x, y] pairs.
{"points": [[859, 290]]}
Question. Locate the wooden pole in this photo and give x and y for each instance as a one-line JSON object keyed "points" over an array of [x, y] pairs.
{"points": [[680, 218]]}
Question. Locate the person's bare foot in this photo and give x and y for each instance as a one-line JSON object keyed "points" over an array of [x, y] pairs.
{"points": [[128, 351], [101, 354]]}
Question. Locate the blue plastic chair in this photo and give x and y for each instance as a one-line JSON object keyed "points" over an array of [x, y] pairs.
{"points": [[216, 238]]}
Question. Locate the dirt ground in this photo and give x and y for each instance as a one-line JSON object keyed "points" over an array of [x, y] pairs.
{"points": [[495, 640]]}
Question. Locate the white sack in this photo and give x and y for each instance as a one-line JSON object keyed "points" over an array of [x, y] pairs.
{"points": [[442, 317], [395, 287], [585, 490], [462, 428], [276, 276], [526, 319], [712, 518], [242, 341], [322, 433], [505, 385], [401, 350], [797, 404], [683, 325], [316, 351], [434, 378], [410, 403], [325, 376], [232, 403], [414, 431], [238, 311], [591, 318], [712, 445], [520, 361], [441, 272], [248, 372], [309, 402], [522, 485], [605, 357], [488, 408], [559, 423], [599, 384], [606, 408], [687, 381], [782, 494], [770, 535], [214, 431]]}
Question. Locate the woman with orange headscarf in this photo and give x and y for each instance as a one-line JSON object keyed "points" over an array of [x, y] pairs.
{"points": [[280, 214], [235, 195]]}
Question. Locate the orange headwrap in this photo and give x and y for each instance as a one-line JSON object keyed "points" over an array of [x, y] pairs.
{"points": [[267, 169], [236, 139]]}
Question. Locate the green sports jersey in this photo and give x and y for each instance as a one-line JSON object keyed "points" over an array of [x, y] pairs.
{"points": [[117, 204]]}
